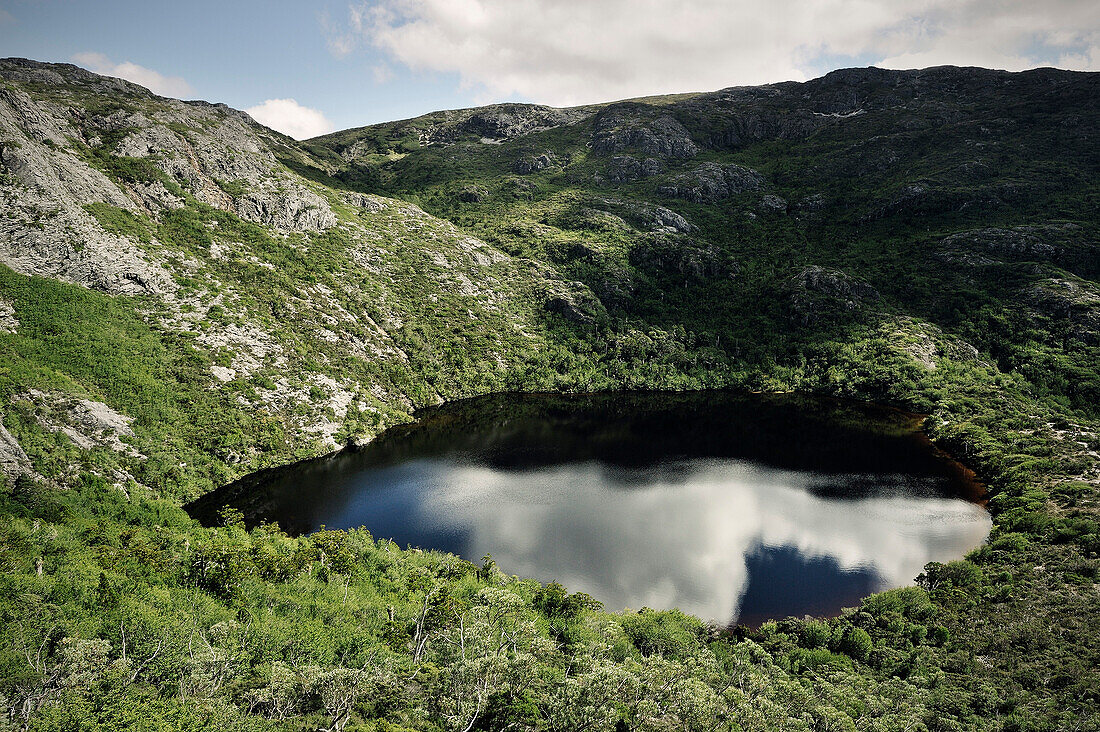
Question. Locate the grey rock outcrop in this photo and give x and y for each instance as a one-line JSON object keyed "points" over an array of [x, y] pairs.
{"points": [[682, 257], [773, 204], [1038, 242], [1077, 302], [629, 126], [8, 322], [627, 168], [159, 147], [665, 219], [499, 122], [711, 182], [535, 163], [86, 422], [363, 201], [816, 294], [295, 209], [13, 460], [45, 230]]}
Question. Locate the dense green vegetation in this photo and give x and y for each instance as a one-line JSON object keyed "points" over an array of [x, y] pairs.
{"points": [[119, 612]]}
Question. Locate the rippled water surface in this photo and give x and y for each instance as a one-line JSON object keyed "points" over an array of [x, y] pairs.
{"points": [[730, 507]]}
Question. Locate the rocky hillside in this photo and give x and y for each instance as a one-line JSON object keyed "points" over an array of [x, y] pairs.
{"points": [[187, 296], [330, 313]]}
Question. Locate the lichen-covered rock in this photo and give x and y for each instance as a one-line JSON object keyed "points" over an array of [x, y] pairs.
{"points": [[629, 126], [86, 422], [627, 168], [1036, 242], [773, 204], [711, 182], [13, 459], [535, 163], [45, 230], [295, 208], [496, 123], [8, 322], [680, 256], [363, 201], [664, 219], [1073, 300], [817, 294]]}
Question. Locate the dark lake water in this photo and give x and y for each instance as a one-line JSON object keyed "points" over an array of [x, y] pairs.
{"points": [[731, 507]]}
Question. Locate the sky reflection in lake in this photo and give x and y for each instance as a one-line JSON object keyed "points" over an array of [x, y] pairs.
{"points": [[727, 507]]}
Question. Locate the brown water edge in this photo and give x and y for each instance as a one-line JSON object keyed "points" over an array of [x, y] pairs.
{"points": [[976, 490]]}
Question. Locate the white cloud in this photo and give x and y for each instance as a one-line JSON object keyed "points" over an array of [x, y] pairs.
{"points": [[167, 86], [291, 118], [576, 51], [699, 528]]}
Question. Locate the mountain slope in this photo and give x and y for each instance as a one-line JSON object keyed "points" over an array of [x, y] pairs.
{"points": [[958, 195], [187, 296]]}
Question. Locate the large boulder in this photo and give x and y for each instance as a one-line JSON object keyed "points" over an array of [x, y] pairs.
{"points": [[628, 126], [627, 168], [819, 294], [712, 182], [1073, 301], [681, 258]]}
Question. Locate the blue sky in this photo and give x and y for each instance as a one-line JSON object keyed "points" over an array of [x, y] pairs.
{"points": [[352, 62], [240, 53]]}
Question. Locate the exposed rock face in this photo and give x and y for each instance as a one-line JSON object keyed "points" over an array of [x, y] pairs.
{"points": [[692, 260], [926, 343], [489, 125], [664, 219], [87, 423], [13, 460], [8, 322], [206, 149], [535, 163], [627, 168], [628, 126], [298, 209], [45, 231], [473, 194], [818, 293], [90, 184], [501, 122], [363, 201], [1017, 242], [711, 182], [1075, 301], [618, 213], [773, 204]]}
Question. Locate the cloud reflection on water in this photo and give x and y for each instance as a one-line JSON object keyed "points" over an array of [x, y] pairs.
{"points": [[678, 536]]}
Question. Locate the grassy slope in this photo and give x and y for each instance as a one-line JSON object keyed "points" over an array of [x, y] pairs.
{"points": [[257, 630]]}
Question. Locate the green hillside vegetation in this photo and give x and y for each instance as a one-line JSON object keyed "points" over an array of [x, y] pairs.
{"points": [[937, 251]]}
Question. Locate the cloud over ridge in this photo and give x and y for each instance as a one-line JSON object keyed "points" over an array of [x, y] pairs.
{"points": [[566, 52], [154, 81], [291, 118]]}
